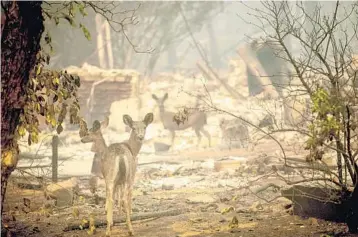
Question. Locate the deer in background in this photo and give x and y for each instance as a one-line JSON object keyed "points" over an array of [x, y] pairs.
{"points": [[196, 120], [119, 165], [234, 132], [96, 171]]}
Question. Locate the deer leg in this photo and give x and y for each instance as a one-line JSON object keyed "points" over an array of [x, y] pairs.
{"points": [[106, 205], [128, 215], [207, 134], [116, 195], [121, 199], [197, 132], [130, 199], [109, 206], [93, 184], [114, 198]]}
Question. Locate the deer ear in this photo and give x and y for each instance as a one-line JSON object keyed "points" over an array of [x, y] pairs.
{"points": [[148, 118], [128, 120], [165, 96], [105, 122], [154, 97]]}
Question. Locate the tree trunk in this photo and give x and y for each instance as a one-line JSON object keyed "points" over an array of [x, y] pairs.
{"points": [[20, 43], [101, 46], [107, 29], [352, 215]]}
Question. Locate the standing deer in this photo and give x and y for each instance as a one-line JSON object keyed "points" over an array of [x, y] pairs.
{"points": [[196, 120], [119, 165], [96, 171]]}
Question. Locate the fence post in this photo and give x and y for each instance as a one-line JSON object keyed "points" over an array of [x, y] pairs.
{"points": [[54, 158]]}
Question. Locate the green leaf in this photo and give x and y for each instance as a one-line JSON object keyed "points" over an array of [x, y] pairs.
{"points": [[39, 69], [53, 122], [72, 9], [56, 81], [65, 95], [21, 131], [35, 137], [81, 8], [38, 107], [85, 32]]}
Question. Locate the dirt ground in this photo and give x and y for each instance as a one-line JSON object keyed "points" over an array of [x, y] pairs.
{"points": [[204, 203], [201, 219]]}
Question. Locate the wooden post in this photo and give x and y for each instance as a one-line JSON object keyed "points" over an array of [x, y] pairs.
{"points": [[54, 158]]}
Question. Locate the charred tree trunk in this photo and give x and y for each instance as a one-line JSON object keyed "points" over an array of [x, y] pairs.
{"points": [[20, 43]]}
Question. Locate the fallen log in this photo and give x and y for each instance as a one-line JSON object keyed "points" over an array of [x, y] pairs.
{"points": [[141, 216]]}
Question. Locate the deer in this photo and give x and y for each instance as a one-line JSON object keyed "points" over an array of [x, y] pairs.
{"points": [[196, 120], [96, 171], [119, 164], [234, 130]]}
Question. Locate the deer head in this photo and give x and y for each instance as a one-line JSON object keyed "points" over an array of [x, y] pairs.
{"points": [[95, 136], [160, 101], [138, 127]]}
